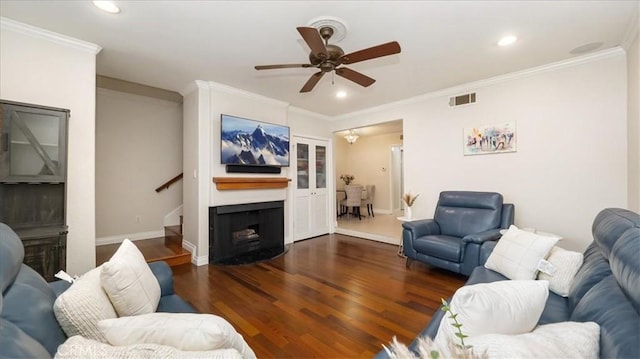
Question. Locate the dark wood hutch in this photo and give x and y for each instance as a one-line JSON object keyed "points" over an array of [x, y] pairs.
{"points": [[33, 177]]}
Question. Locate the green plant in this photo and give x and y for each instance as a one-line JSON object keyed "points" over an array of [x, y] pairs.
{"points": [[454, 316]]}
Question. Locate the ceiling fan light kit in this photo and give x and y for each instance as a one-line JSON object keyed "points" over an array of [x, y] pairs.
{"points": [[329, 57]]}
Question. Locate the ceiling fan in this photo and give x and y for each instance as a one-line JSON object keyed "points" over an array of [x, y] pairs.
{"points": [[328, 57]]}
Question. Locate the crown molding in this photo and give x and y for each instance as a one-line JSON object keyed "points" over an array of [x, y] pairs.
{"points": [[456, 90], [249, 95], [36, 32], [193, 86], [632, 31], [301, 111]]}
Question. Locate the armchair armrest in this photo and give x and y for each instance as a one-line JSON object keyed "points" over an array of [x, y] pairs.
{"points": [[163, 273], [423, 227], [488, 235]]}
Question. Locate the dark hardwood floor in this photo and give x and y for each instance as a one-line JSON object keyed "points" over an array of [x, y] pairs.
{"points": [[328, 297]]}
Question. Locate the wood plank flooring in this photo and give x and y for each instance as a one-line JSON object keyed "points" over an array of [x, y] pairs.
{"points": [[332, 296], [155, 249]]}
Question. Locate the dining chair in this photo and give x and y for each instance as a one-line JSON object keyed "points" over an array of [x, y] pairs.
{"points": [[354, 199], [368, 200]]}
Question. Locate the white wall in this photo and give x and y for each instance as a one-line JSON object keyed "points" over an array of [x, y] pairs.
{"points": [[138, 148], [203, 105], [49, 69], [308, 124], [633, 108], [195, 187], [572, 143]]}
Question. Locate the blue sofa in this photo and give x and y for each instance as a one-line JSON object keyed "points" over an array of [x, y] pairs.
{"points": [[606, 289], [28, 327], [462, 222]]}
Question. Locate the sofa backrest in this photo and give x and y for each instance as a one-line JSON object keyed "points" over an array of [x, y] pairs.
{"points": [[460, 213], [606, 289], [28, 327]]}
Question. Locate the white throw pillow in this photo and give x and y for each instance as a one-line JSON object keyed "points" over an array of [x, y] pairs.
{"points": [[129, 282], [504, 307], [566, 264], [557, 340], [185, 331], [518, 253], [80, 308], [79, 347]]}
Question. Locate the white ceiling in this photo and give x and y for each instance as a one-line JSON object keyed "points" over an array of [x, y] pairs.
{"points": [[168, 44]]}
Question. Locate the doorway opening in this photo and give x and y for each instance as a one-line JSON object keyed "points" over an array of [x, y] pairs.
{"points": [[373, 159]]}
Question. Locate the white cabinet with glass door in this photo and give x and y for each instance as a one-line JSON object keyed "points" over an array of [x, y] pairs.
{"points": [[311, 210]]}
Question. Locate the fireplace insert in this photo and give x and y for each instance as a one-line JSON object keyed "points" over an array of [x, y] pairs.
{"points": [[246, 233]]}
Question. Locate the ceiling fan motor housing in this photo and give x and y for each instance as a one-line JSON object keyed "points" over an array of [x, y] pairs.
{"points": [[329, 63], [328, 57]]}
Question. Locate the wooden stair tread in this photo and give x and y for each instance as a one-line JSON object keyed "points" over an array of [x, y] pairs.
{"points": [[154, 249]]}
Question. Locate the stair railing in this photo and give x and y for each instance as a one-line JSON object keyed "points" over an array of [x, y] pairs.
{"points": [[169, 183]]}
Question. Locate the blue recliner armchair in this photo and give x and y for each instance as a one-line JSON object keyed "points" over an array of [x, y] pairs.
{"points": [[462, 221]]}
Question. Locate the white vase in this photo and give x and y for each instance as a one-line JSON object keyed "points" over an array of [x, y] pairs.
{"points": [[407, 212]]}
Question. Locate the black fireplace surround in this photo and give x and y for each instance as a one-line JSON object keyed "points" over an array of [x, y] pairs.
{"points": [[246, 233]]}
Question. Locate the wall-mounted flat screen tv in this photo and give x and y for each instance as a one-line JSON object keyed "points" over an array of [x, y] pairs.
{"points": [[253, 143]]}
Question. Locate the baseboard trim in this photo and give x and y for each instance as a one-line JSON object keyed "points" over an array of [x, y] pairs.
{"points": [[381, 211], [371, 236], [201, 261], [189, 247], [103, 241]]}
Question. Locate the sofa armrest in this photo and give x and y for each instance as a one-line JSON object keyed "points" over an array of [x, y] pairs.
{"points": [[486, 249], [163, 273], [59, 286], [489, 235], [423, 227]]}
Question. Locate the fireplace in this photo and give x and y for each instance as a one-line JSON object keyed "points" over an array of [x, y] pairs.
{"points": [[245, 233]]}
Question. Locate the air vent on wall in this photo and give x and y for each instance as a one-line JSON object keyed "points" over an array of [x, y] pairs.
{"points": [[462, 99]]}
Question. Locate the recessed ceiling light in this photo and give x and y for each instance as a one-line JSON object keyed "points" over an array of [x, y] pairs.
{"points": [[507, 40], [341, 94], [108, 6]]}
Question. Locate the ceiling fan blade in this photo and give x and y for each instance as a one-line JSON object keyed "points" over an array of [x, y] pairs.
{"points": [[312, 37], [311, 83], [283, 66], [389, 48], [355, 76]]}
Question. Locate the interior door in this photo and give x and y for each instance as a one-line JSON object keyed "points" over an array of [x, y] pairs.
{"points": [[311, 209]]}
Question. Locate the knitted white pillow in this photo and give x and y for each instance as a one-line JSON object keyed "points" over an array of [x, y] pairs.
{"points": [[129, 282], [185, 331], [80, 308], [79, 347], [557, 340], [518, 253], [566, 264]]}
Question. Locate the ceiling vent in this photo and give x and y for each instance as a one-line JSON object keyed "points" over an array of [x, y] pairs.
{"points": [[465, 99]]}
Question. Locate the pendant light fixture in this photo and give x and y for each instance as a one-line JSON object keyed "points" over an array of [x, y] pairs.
{"points": [[352, 137]]}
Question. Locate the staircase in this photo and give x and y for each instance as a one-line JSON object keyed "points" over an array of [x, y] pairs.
{"points": [[173, 241], [167, 248]]}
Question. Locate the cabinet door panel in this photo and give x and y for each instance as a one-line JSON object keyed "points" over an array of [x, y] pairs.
{"points": [[311, 212], [33, 145]]}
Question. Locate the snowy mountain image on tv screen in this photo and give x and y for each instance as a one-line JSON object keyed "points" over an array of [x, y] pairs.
{"points": [[249, 142]]}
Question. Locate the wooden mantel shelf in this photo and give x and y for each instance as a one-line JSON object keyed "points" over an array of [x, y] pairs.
{"points": [[238, 183]]}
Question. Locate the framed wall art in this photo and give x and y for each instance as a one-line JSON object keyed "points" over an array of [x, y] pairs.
{"points": [[489, 139]]}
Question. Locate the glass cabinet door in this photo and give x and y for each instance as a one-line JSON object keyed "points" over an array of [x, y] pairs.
{"points": [[302, 153], [33, 143], [321, 167]]}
